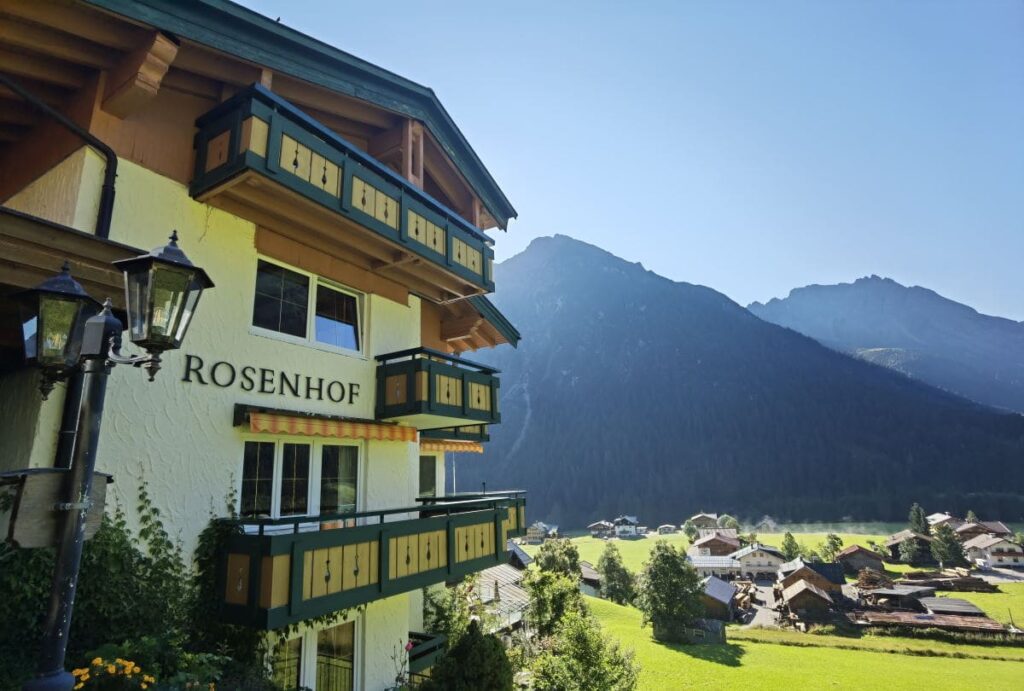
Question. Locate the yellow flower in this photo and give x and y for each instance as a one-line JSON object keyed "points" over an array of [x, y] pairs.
{"points": [[97, 661], [148, 679], [79, 685], [136, 669], [85, 677], [111, 669], [145, 685]]}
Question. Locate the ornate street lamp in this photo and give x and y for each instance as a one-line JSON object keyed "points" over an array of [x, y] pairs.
{"points": [[162, 290], [53, 317]]}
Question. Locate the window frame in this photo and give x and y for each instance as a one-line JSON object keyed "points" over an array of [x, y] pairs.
{"points": [[438, 490], [308, 652], [315, 471], [315, 281]]}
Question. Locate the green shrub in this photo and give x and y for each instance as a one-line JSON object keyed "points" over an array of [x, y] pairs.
{"points": [[477, 661]]}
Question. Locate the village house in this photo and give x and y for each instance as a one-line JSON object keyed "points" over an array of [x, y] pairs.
{"points": [[924, 542], [993, 551], [854, 558], [806, 601], [626, 526], [969, 531], [722, 567], [937, 519], [667, 529], [727, 532], [501, 592], [590, 579], [344, 220], [539, 531], [714, 545], [759, 561], [717, 598], [704, 520], [601, 529]]}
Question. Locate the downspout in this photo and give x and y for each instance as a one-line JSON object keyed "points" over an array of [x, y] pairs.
{"points": [[106, 210], [73, 391]]}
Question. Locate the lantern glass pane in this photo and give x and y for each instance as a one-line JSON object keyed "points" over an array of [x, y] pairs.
{"points": [[191, 300], [170, 286], [56, 324], [138, 303], [29, 330]]}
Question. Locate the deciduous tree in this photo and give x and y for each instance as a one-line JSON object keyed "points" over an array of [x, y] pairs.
{"points": [[617, 583], [946, 549], [559, 556], [830, 547], [790, 547], [727, 521], [910, 551], [668, 593], [579, 658], [552, 596]]}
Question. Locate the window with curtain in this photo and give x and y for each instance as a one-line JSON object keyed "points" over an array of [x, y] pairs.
{"points": [[257, 479], [335, 657], [339, 467], [294, 479], [286, 665], [428, 476]]}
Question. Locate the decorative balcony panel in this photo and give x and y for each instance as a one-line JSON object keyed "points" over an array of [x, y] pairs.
{"points": [[256, 151], [281, 571], [477, 433], [429, 389]]}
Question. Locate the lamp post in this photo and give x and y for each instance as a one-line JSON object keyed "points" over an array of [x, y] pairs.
{"points": [[162, 289]]}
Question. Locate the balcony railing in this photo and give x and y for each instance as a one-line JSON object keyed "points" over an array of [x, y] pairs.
{"points": [[430, 389], [256, 130], [477, 433], [426, 649], [277, 572]]}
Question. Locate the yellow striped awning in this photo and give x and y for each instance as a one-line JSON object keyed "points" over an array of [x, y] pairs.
{"points": [[320, 427], [451, 445]]}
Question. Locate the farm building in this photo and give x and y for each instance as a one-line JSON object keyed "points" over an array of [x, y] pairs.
{"points": [[892, 545], [830, 571], [806, 573], [807, 601], [854, 558], [502, 594], [715, 566], [590, 579], [950, 605], [704, 520], [714, 545], [666, 529], [946, 622], [718, 598], [517, 557], [601, 529], [991, 550], [897, 596]]}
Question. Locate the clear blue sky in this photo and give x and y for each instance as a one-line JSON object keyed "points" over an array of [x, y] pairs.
{"points": [[749, 146]]}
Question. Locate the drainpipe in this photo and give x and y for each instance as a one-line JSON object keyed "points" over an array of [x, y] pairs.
{"points": [[106, 209], [73, 391]]}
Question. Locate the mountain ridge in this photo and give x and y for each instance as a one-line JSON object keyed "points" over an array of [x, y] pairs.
{"points": [[630, 385]]}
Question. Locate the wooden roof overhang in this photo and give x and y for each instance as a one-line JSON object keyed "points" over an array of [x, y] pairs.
{"points": [[32, 250], [242, 34], [475, 323], [204, 51]]}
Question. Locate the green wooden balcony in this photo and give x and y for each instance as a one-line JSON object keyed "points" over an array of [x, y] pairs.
{"points": [[276, 572], [426, 650], [429, 389], [260, 157]]}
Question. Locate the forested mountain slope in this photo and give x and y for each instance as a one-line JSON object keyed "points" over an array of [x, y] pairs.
{"points": [[631, 393]]}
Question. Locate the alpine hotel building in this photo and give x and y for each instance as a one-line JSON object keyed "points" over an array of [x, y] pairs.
{"points": [[342, 216]]}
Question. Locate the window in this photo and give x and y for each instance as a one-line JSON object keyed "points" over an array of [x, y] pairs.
{"points": [[257, 479], [336, 320], [283, 478], [428, 476], [286, 665], [295, 480], [282, 299], [338, 471], [306, 307], [335, 654]]}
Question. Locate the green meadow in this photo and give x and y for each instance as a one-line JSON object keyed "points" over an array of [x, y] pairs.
{"points": [[763, 659]]}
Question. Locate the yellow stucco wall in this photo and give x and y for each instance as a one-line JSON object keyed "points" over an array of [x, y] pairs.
{"points": [[177, 436]]}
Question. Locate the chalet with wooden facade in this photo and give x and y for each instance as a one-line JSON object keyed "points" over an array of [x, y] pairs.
{"points": [[993, 551], [714, 545], [969, 531], [704, 520], [348, 225], [892, 545]]}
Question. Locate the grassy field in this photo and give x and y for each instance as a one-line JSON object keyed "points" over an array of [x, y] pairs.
{"points": [[635, 551], [1000, 606], [766, 663]]}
